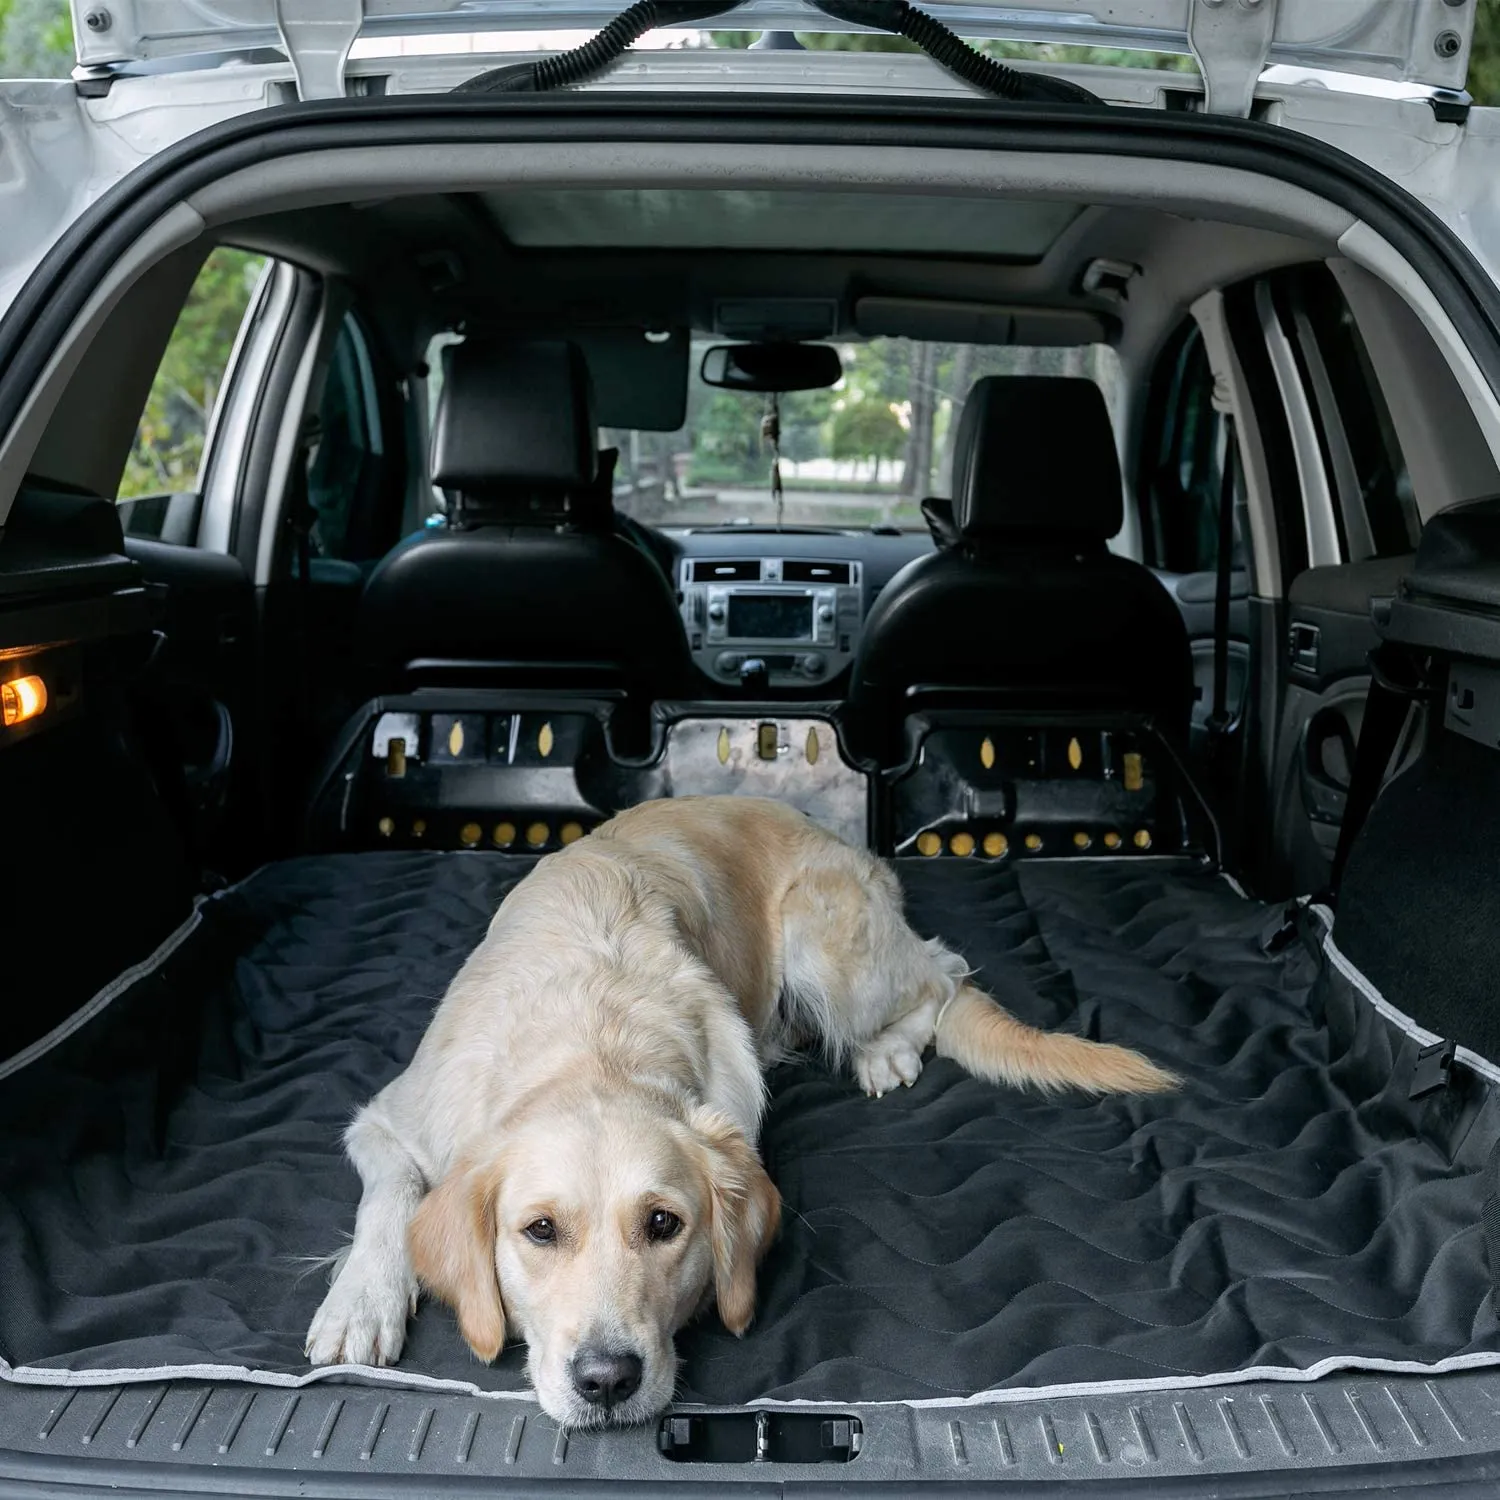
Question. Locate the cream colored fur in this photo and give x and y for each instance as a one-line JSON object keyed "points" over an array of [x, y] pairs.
{"points": [[599, 1060]]}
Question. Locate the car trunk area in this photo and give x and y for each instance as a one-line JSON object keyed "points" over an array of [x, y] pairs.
{"points": [[176, 1182], [264, 820]]}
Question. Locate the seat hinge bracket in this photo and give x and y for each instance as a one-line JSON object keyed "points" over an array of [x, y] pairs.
{"points": [[317, 36], [1231, 40]]}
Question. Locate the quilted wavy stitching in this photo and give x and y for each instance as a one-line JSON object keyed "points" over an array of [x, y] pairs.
{"points": [[176, 1157]]}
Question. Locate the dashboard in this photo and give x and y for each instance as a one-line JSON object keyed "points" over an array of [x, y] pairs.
{"points": [[784, 606]]}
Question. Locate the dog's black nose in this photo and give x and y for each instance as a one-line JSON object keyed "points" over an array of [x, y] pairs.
{"points": [[605, 1379]]}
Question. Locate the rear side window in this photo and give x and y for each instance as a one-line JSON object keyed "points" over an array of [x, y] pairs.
{"points": [[162, 474], [1181, 483], [1376, 512], [346, 462]]}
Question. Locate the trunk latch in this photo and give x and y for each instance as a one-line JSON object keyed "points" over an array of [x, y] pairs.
{"points": [[759, 1437]]}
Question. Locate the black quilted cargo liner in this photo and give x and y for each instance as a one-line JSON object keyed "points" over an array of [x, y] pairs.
{"points": [[169, 1168]]}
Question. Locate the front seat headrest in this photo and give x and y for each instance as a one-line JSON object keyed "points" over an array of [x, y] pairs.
{"points": [[1035, 459], [938, 513], [515, 428]]}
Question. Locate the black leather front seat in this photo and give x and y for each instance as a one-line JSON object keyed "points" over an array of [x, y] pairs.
{"points": [[1030, 609], [529, 581]]}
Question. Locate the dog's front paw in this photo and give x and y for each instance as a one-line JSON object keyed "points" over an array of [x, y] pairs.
{"points": [[885, 1062], [362, 1321]]}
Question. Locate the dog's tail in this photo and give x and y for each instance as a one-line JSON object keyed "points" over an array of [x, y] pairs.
{"points": [[987, 1041]]}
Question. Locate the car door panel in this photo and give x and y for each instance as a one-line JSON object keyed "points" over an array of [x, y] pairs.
{"points": [[199, 687], [1330, 634]]}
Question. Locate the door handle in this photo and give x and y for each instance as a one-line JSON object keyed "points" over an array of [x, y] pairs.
{"points": [[1303, 642]]}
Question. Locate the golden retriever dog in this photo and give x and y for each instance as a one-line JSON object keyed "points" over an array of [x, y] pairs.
{"points": [[571, 1159]]}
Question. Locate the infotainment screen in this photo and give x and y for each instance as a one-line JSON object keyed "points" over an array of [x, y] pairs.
{"points": [[770, 617]]}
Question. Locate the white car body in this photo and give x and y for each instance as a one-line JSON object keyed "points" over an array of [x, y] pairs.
{"points": [[1380, 79]]}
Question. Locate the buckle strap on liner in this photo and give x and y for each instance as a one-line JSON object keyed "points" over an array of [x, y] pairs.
{"points": [[1432, 1069], [1298, 921]]}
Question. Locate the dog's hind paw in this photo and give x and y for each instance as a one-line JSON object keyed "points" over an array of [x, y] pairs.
{"points": [[885, 1062], [360, 1323]]}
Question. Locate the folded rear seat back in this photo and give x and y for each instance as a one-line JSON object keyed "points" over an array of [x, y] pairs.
{"points": [[1419, 900], [1420, 897]]}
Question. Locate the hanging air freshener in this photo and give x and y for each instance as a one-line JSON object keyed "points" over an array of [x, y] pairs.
{"points": [[770, 432]]}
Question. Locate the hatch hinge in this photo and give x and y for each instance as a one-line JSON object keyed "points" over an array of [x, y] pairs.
{"points": [[317, 35], [1231, 39]]}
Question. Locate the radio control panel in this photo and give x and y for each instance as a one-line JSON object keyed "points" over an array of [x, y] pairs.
{"points": [[800, 617]]}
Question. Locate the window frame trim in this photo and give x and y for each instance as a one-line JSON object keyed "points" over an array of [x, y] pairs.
{"points": [[235, 417], [1320, 525]]}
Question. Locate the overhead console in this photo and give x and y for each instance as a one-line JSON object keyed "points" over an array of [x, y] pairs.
{"points": [[800, 617]]}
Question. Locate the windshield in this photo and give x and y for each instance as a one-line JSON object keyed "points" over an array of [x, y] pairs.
{"points": [[864, 453]]}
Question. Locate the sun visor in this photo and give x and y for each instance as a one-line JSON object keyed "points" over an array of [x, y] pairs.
{"points": [[978, 322], [640, 376]]}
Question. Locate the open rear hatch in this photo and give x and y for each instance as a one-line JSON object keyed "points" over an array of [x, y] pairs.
{"points": [[1423, 44]]}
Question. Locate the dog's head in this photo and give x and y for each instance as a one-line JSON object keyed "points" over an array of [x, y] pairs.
{"points": [[597, 1229]]}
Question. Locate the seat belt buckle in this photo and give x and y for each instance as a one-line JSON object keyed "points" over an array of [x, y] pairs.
{"points": [[1432, 1070]]}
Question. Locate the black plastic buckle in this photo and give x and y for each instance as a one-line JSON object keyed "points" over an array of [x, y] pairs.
{"points": [[1432, 1069], [1298, 922], [1284, 934]]}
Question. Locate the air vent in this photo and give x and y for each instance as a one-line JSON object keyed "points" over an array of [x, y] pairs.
{"points": [[723, 570], [816, 572]]}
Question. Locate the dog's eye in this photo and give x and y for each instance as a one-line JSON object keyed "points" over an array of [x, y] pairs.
{"points": [[541, 1231], [662, 1225]]}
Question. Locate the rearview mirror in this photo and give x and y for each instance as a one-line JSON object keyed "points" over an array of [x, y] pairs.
{"points": [[772, 367]]}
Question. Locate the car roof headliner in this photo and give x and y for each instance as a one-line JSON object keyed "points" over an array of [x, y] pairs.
{"points": [[528, 261]]}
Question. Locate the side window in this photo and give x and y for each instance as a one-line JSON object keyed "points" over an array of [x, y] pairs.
{"points": [[158, 491], [346, 460], [1377, 512], [1181, 483]]}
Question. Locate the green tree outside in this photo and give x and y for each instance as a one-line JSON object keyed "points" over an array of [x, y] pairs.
{"points": [[866, 431], [1484, 57], [169, 442], [36, 39]]}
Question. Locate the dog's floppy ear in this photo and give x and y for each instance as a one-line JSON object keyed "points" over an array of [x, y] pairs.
{"points": [[452, 1243], [745, 1209]]}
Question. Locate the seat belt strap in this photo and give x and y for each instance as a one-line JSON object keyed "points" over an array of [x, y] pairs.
{"points": [[1219, 717], [1385, 713], [301, 517]]}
